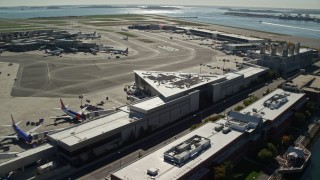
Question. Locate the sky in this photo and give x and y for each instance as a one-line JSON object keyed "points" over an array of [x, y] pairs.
{"points": [[306, 4]]}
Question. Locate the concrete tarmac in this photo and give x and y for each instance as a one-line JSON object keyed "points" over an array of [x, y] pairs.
{"points": [[41, 79]]}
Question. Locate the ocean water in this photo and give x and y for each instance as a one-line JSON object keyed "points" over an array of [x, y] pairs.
{"points": [[313, 169], [211, 15]]}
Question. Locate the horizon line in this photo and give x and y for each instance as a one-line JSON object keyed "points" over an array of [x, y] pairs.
{"points": [[159, 5]]}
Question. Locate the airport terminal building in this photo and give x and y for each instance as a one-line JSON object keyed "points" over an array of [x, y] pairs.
{"points": [[174, 96], [212, 88], [219, 35], [192, 155]]}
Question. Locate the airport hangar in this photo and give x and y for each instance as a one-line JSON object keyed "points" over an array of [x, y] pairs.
{"points": [[171, 101], [228, 139], [219, 35]]}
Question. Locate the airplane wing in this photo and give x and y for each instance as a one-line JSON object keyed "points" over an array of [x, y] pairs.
{"points": [[33, 129], [60, 108], [82, 110], [62, 117], [10, 137]]}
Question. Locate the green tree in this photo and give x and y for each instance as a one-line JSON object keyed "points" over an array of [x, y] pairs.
{"points": [[286, 140], [238, 108], [268, 91], [214, 118], [271, 75], [272, 149], [265, 156], [307, 114], [299, 119], [312, 106], [247, 102], [219, 173], [195, 126], [224, 171]]}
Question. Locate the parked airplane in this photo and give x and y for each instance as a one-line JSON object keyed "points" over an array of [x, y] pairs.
{"points": [[120, 51], [72, 50], [88, 36], [105, 48], [55, 52], [124, 29], [20, 134], [80, 116], [93, 51], [94, 37]]}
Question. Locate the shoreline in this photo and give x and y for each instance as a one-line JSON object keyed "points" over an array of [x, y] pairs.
{"points": [[307, 42]]}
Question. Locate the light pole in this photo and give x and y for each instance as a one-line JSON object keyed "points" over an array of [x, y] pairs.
{"points": [[119, 159], [81, 97], [224, 106]]}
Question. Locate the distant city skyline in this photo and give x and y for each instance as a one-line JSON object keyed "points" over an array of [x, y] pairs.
{"points": [[305, 4]]}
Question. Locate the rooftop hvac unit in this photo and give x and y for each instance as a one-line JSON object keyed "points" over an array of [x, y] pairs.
{"points": [[287, 94], [218, 128], [152, 171], [226, 130]]}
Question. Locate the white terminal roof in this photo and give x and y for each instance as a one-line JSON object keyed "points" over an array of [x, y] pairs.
{"points": [[198, 29], [232, 75], [242, 45], [221, 33], [218, 140], [80, 135], [268, 113], [173, 83], [250, 71], [242, 37], [167, 171], [147, 105]]}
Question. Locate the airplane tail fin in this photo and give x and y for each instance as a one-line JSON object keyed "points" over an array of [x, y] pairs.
{"points": [[127, 51], [13, 123], [62, 105]]}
